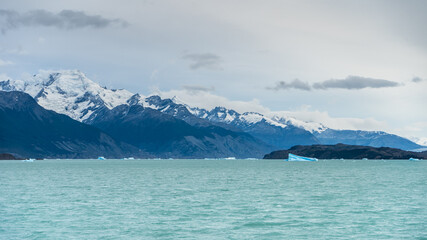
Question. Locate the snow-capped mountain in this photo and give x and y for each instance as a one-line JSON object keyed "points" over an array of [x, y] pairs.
{"points": [[70, 92], [224, 115], [277, 134], [160, 127]]}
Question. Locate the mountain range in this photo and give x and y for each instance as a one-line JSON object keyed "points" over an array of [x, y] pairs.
{"points": [[151, 126]]}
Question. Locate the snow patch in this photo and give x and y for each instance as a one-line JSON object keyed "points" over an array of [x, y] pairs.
{"points": [[253, 117]]}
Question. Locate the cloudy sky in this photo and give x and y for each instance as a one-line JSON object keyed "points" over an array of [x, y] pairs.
{"points": [[349, 64]]}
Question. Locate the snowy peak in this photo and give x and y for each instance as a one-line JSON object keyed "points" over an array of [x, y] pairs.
{"points": [[72, 81], [136, 99], [68, 92], [221, 114], [173, 106], [156, 102]]}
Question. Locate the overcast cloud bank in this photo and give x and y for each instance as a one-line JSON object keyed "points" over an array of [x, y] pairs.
{"points": [[66, 19]]}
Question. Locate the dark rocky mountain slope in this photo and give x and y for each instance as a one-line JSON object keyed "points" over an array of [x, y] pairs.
{"points": [[28, 130], [164, 135], [8, 156]]}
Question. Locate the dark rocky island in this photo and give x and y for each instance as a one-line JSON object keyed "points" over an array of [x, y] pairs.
{"points": [[344, 151]]}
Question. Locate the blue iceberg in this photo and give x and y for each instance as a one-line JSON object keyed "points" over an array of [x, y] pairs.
{"points": [[101, 158], [296, 158], [414, 159]]}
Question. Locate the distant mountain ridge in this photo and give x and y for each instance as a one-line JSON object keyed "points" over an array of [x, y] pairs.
{"points": [[365, 138], [71, 93], [279, 135]]}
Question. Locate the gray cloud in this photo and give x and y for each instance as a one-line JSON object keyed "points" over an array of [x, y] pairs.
{"points": [[196, 88], [204, 60], [66, 19], [351, 83], [355, 82], [296, 84], [417, 79]]}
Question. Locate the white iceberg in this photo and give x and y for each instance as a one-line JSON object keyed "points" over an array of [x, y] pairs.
{"points": [[414, 159], [296, 158], [29, 160]]}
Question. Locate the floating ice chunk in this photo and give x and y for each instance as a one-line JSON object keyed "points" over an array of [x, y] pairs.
{"points": [[101, 158], [29, 160], [296, 158], [414, 159]]}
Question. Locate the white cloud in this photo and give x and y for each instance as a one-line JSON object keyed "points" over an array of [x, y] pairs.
{"points": [[421, 141], [14, 50], [4, 77], [368, 124], [41, 40], [413, 129], [5, 62], [197, 88]]}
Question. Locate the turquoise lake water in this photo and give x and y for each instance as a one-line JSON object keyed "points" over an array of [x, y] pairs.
{"points": [[217, 199]]}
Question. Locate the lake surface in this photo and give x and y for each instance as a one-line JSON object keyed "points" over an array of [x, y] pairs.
{"points": [[213, 199]]}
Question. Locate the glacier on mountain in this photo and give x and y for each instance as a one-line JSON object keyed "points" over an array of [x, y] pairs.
{"points": [[68, 92]]}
